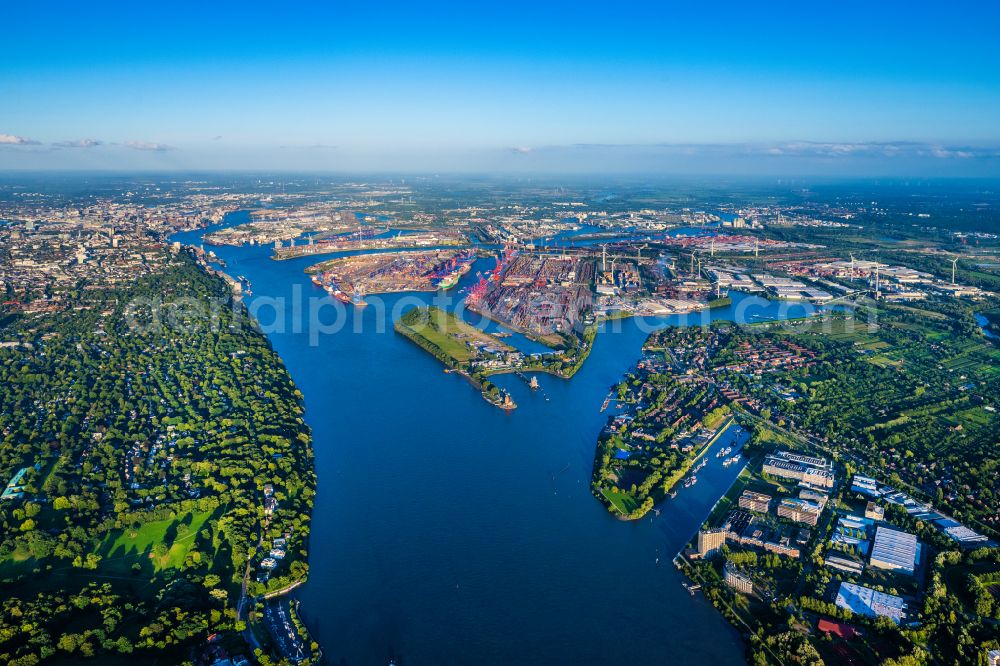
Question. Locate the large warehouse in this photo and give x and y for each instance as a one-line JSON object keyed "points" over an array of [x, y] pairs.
{"points": [[870, 603], [895, 550]]}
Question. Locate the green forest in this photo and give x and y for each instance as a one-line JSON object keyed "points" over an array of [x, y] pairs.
{"points": [[145, 423]]}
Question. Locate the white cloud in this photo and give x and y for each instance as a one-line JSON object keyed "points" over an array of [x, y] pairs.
{"points": [[77, 143], [879, 149], [11, 140], [826, 150], [148, 145]]}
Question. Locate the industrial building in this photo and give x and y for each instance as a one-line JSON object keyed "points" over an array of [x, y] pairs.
{"points": [[865, 486], [870, 603], [808, 470], [844, 564], [874, 511], [895, 551]]}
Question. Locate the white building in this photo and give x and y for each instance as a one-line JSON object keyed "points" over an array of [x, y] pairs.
{"points": [[866, 601], [895, 551]]}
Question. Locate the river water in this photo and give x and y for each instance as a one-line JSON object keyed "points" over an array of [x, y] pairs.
{"points": [[446, 531]]}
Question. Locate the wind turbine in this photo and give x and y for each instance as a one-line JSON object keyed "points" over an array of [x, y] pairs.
{"points": [[954, 263]]}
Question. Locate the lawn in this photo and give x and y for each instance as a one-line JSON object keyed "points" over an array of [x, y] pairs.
{"points": [[731, 498], [884, 361], [16, 565], [448, 333], [766, 435], [120, 549], [623, 502]]}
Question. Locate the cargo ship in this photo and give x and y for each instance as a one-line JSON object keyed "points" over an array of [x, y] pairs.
{"points": [[358, 299], [338, 294], [328, 281], [447, 274], [449, 281]]}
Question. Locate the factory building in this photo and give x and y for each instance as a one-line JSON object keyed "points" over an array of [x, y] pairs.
{"points": [[870, 603], [895, 551], [808, 470]]}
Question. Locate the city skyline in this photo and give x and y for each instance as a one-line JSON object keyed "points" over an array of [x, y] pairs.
{"points": [[891, 90]]}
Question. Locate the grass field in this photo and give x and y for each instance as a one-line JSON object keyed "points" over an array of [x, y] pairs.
{"points": [[884, 361], [120, 549], [18, 564], [623, 502], [448, 333], [770, 436]]}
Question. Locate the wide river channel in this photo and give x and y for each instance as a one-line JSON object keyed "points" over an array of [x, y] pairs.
{"points": [[446, 531]]}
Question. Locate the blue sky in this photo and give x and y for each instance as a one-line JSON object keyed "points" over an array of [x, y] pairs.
{"points": [[877, 88]]}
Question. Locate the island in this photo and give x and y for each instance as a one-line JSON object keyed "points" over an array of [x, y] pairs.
{"points": [[461, 347]]}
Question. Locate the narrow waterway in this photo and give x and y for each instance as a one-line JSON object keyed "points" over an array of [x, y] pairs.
{"points": [[446, 531]]}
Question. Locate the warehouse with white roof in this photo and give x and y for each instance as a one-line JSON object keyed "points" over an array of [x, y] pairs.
{"points": [[895, 551]]}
